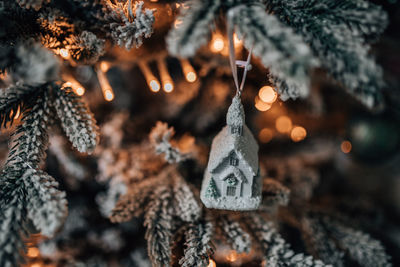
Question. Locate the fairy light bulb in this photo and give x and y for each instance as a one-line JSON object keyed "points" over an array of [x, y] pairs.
{"points": [[151, 80], [168, 87], [346, 147], [211, 263], [267, 94], [154, 85], [74, 84], [217, 43], [188, 71], [166, 80], [298, 134], [64, 53], [106, 88], [265, 135], [104, 66], [261, 105], [17, 113], [283, 124], [232, 256], [32, 252]]}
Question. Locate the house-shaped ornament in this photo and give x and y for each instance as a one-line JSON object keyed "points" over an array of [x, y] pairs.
{"points": [[232, 179]]}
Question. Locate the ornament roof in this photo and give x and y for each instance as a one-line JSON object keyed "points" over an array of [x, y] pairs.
{"points": [[236, 171], [235, 115], [245, 147]]}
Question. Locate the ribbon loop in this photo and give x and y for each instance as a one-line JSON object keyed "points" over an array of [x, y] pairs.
{"points": [[234, 63]]}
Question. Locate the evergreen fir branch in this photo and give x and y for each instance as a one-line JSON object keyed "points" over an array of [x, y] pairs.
{"points": [[132, 204], [47, 206], [129, 28], [160, 137], [12, 220], [13, 98], [159, 222], [194, 28], [85, 47], [234, 234], [319, 243], [276, 251], [274, 193], [77, 121], [198, 244], [341, 50], [34, 4], [186, 206], [35, 65], [281, 50], [30, 139], [360, 247]]}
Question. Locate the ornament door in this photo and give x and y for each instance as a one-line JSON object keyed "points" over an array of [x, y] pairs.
{"points": [[232, 186]]}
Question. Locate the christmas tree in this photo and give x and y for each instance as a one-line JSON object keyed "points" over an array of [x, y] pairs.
{"points": [[109, 108]]}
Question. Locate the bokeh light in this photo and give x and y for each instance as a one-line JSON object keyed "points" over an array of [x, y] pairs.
{"points": [[261, 105], [346, 146], [265, 135], [298, 133], [267, 94], [283, 124]]}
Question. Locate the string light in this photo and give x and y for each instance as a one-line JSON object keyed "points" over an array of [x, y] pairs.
{"points": [[261, 105], [166, 79], [106, 88], [64, 53], [217, 43], [188, 71], [267, 94], [346, 147], [33, 252], [232, 256], [74, 84], [212, 263], [151, 80], [17, 113], [283, 124], [104, 66], [36, 265], [265, 135], [298, 133], [236, 40]]}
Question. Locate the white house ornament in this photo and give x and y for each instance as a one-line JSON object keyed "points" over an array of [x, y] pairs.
{"points": [[232, 180]]}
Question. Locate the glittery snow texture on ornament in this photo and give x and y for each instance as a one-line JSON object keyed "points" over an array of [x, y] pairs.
{"points": [[232, 179]]}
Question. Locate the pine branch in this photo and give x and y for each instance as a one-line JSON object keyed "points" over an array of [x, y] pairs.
{"points": [[198, 244], [126, 28], [13, 98], [335, 32], [160, 138], [34, 4], [12, 220], [234, 234], [186, 206], [77, 121], [85, 47], [47, 206], [30, 139], [276, 251], [194, 28], [361, 247], [274, 193], [319, 243], [281, 50], [158, 220], [132, 204]]}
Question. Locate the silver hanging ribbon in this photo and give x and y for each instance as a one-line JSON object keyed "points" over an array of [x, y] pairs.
{"points": [[234, 63]]}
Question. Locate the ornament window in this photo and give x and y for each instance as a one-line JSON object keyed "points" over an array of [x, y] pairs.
{"points": [[236, 130], [233, 161], [231, 191]]}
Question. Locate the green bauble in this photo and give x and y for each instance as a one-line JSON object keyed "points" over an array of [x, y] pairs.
{"points": [[374, 139]]}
